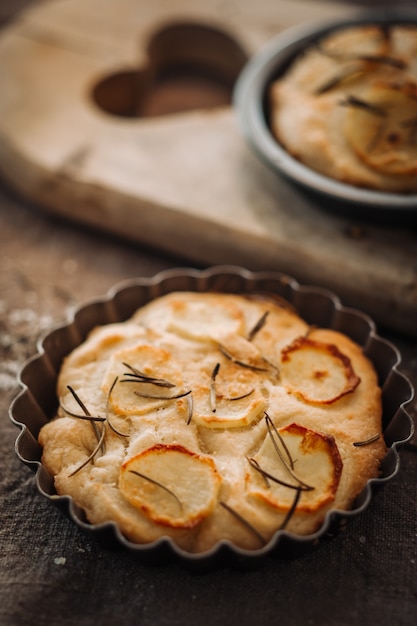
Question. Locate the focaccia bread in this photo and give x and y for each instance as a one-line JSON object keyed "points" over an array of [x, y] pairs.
{"points": [[347, 107], [211, 416]]}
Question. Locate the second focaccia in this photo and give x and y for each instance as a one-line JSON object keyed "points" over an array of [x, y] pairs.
{"points": [[347, 107]]}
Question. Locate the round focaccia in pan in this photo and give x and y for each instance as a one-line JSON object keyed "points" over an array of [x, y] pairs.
{"points": [[210, 416]]}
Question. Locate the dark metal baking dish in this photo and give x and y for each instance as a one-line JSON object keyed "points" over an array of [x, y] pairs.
{"points": [[37, 401], [251, 104]]}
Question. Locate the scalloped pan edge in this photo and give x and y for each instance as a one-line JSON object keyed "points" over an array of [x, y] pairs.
{"points": [[36, 402]]}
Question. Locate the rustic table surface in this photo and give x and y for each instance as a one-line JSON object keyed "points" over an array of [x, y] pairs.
{"points": [[52, 573]]}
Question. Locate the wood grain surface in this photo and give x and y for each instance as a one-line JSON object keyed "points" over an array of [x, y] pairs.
{"points": [[178, 179]]}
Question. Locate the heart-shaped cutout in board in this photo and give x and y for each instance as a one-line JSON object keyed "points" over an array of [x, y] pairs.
{"points": [[87, 131], [191, 66], [124, 119]]}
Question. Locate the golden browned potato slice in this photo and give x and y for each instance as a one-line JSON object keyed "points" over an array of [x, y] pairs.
{"points": [[231, 397], [239, 349], [291, 459], [199, 317], [381, 127], [171, 485], [317, 372], [141, 379]]}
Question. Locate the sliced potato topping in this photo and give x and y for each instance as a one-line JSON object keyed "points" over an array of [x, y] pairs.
{"points": [[147, 378], [295, 458], [237, 348], [234, 399], [195, 320], [171, 485], [240, 347], [317, 372], [199, 317], [167, 427], [381, 127]]}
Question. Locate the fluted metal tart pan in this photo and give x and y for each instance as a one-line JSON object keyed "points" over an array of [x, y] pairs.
{"points": [[37, 401]]}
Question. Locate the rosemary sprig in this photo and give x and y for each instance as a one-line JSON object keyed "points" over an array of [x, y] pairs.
{"points": [[299, 487], [373, 109], [87, 418], [244, 521], [254, 463], [92, 419], [158, 484], [112, 427], [335, 81], [288, 464], [137, 376], [190, 408], [383, 59], [159, 397], [353, 101], [272, 429], [93, 454], [366, 442], [291, 510], [233, 359], [213, 394], [87, 413], [79, 401], [244, 395], [258, 326]]}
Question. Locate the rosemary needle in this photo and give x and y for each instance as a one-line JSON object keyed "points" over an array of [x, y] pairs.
{"points": [[87, 413], [158, 484], [367, 441], [213, 395], [232, 358], [258, 326], [190, 408], [359, 103], [136, 375], [244, 521], [291, 510], [244, 395], [87, 418], [93, 454], [289, 465], [113, 428], [271, 427], [157, 397], [78, 400], [265, 474]]}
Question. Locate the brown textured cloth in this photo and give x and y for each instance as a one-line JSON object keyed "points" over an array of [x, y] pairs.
{"points": [[51, 573]]}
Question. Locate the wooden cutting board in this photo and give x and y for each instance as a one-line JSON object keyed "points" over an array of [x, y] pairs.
{"points": [[98, 125]]}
